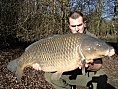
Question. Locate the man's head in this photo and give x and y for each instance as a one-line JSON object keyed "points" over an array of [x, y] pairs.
{"points": [[77, 23]]}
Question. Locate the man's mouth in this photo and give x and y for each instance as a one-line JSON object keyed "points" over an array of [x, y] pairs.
{"points": [[77, 31]]}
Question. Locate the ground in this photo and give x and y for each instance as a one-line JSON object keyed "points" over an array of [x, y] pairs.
{"points": [[33, 79]]}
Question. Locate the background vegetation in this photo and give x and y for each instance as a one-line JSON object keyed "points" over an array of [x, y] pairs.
{"points": [[29, 20]]}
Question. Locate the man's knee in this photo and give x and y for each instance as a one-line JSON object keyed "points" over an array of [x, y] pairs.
{"points": [[101, 82], [48, 77]]}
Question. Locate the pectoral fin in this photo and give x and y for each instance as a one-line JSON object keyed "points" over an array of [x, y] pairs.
{"points": [[56, 76], [83, 66]]}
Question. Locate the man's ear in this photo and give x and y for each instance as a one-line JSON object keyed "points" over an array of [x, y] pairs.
{"points": [[69, 26], [84, 23]]}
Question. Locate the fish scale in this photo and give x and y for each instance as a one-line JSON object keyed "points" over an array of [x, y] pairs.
{"points": [[59, 54]]}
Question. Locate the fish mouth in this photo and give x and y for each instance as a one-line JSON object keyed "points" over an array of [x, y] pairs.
{"points": [[110, 52]]}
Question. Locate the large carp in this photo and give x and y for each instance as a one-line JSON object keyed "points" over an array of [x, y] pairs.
{"points": [[60, 53]]}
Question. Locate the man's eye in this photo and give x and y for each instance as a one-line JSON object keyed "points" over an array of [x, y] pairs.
{"points": [[73, 25], [79, 25], [76, 25]]}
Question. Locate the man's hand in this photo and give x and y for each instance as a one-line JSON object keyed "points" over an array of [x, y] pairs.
{"points": [[91, 65], [36, 66], [86, 65], [95, 65]]}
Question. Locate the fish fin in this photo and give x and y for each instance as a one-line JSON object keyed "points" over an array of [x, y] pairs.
{"points": [[83, 70], [19, 73], [12, 65], [56, 76], [83, 61]]}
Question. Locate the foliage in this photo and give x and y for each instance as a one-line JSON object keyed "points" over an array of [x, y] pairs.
{"points": [[31, 20]]}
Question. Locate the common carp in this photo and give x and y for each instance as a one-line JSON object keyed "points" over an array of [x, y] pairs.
{"points": [[60, 53]]}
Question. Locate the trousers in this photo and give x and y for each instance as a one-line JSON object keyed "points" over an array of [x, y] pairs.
{"points": [[93, 80]]}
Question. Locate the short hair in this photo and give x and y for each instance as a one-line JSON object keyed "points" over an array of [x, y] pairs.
{"points": [[75, 15]]}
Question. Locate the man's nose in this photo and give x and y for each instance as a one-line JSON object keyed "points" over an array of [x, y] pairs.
{"points": [[76, 28]]}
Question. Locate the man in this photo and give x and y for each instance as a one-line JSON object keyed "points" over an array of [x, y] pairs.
{"points": [[95, 78]]}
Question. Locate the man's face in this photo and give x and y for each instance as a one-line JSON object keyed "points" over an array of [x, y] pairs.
{"points": [[77, 25]]}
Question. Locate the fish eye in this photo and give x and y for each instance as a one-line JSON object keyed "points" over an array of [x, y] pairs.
{"points": [[89, 48]]}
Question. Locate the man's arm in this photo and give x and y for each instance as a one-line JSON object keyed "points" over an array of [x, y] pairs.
{"points": [[96, 65]]}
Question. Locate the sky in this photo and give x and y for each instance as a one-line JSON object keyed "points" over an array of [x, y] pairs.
{"points": [[107, 12]]}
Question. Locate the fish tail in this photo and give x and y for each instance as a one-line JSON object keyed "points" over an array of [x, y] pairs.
{"points": [[12, 65]]}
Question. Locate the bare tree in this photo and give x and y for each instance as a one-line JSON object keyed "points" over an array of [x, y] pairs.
{"points": [[31, 20]]}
